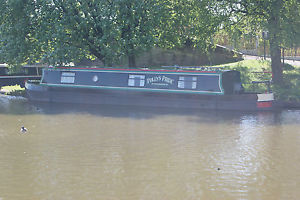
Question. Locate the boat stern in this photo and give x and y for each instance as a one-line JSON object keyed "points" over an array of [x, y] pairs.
{"points": [[35, 91], [265, 101]]}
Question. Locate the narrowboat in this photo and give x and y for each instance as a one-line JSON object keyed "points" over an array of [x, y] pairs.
{"points": [[178, 88], [27, 72]]}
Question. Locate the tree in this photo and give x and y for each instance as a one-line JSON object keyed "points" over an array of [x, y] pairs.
{"points": [[189, 23], [63, 31], [137, 21], [82, 29], [291, 30], [18, 22], [281, 18]]}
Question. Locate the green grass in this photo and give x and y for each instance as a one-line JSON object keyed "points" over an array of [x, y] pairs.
{"points": [[255, 64], [252, 65], [249, 69], [252, 70], [14, 90], [288, 91]]}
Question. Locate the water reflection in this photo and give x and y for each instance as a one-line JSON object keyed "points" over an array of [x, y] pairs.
{"points": [[82, 152]]}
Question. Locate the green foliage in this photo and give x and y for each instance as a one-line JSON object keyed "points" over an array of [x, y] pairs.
{"points": [[290, 91], [280, 18], [189, 23], [63, 31], [252, 70], [137, 22], [290, 25], [18, 24], [78, 29]]}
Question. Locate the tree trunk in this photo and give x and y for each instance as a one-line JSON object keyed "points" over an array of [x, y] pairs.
{"points": [[274, 32], [98, 55], [276, 61], [131, 61]]}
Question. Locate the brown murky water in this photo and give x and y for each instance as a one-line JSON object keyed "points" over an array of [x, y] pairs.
{"points": [[79, 152]]}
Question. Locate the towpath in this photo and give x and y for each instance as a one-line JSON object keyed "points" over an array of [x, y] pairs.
{"points": [[291, 62]]}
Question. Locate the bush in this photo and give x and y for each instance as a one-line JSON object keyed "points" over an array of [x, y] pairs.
{"points": [[289, 91], [251, 70]]}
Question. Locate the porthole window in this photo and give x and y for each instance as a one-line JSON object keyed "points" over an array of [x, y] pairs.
{"points": [[95, 78]]}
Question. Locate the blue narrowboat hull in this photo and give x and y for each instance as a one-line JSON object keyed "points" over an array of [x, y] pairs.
{"points": [[159, 88], [245, 102]]}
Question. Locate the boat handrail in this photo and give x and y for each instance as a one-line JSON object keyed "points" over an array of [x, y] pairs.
{"points": [[196, 67], [267, 82], [263, 72]]}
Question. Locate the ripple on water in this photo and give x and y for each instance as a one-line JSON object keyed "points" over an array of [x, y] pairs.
{"points": [[132, 153]]}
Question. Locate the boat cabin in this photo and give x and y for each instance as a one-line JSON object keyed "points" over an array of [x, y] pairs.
{"points": [[196, 89], [175, 81]]}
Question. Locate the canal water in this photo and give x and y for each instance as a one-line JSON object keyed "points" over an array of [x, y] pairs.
{"points": [[129, 153]]}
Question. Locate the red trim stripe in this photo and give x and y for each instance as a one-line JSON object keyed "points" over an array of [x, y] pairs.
{"points": [[264, 104]]}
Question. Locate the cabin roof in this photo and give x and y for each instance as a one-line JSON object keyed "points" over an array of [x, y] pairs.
{"points": [[181, 69]]}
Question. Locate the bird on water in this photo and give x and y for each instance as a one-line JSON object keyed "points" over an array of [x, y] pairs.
{"points": [[23, 130]]}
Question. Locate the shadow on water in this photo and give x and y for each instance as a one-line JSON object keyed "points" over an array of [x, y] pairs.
{"points": [[135, 112], [20, 106]]}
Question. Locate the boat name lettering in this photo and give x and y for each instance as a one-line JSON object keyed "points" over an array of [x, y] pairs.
{"points": [[162, 79]]}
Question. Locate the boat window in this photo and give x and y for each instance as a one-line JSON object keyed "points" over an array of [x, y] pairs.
{"points": [[136, 80], [187, 82], [67, 77]]}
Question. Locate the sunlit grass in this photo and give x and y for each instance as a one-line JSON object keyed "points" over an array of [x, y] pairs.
{"points": [[252, 64], [15, 90], [12, 88]]}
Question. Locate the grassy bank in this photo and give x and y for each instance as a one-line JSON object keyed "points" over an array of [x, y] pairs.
{"points": [[288, 91], [252, 70], [14, 90]]}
